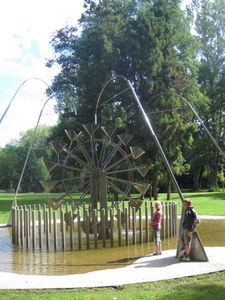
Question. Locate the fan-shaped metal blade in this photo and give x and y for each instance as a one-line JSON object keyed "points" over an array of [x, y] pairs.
{"points": [[67, 218], [108, 129], [143, 169], [72, 135], [54, 203], [135, 203], [48, 185], [57, 147], [142, 188], [125, 138], [136, 152], [90, 128], [49, 165]]}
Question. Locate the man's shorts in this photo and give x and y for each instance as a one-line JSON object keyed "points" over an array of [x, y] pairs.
{"points": [[156, 236], [185, 237]]}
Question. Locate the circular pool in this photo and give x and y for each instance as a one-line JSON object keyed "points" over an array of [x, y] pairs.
{"points": [[44, 262]]}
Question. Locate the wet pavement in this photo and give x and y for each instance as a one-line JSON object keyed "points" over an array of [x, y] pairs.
{"points": [[146, 269]]}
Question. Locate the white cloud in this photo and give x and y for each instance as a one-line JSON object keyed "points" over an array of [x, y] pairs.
{"points": [[26, 27]]}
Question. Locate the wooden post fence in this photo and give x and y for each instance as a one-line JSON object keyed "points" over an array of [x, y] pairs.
{"points": [[39, 228]]}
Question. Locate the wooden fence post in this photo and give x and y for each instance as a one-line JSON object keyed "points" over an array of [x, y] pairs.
{"points": [[127, 226], [39, 227], [111, 227], [79, 230], [103, 227], [146, 223], [18, 226], [27, 228], [33, 229], [140, 226], [119, 225], [14, 225], [94, 226], [87, 222], [62, 226], [71, 229], [55, 228], [134, 225], [47, 229], [21, 227]]}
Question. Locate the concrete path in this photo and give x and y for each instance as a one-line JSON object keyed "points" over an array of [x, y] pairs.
{"points": [[146, 269]]}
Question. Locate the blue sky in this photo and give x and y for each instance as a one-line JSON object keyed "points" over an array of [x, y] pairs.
{"points": [[26, 27]]}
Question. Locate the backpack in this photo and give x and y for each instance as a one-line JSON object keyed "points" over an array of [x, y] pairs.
{"points": [[197, 220]]}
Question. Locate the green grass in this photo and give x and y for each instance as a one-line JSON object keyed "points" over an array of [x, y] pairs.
{"points": [[207, 287], [206, 203]]}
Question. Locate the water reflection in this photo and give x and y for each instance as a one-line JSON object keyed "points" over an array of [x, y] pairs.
{"points": [[43, 262]]}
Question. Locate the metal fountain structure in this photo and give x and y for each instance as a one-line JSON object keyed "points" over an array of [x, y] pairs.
{"points": [[96, 162]]}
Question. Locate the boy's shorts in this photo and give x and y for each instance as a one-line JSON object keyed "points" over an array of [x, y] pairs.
{"points": [[185, 237], [156, 236]]}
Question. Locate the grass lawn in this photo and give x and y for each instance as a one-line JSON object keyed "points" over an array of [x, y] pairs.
{"points": [[206, 203], [207, 287]]}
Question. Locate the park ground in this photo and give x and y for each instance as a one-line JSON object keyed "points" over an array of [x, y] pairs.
{"points": [[207, 286]]}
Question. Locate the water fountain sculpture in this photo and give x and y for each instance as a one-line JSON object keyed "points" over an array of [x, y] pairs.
{"points": [[96, 164], [104, 169]]}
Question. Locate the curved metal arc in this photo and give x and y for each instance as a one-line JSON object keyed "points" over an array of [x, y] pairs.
{"points": [[8, 107], [32, 139], [28, 153], [206, 129], [99, 97], [198, 117]]}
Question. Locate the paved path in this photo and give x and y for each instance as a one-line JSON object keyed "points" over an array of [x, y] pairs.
{"points": [[145, 269]]}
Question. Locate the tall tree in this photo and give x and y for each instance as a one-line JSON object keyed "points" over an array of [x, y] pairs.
{"points": [[210, 27], [148, 42]]}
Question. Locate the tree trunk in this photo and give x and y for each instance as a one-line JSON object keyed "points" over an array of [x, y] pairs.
{"points": [[168, 187], [213, 169], [155, 188], [196, 177]]}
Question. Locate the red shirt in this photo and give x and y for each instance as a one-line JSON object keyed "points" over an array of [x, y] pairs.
{"points": [[156, 219]]}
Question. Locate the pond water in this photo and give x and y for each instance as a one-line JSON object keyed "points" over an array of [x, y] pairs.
{"points": [[43, 262]]}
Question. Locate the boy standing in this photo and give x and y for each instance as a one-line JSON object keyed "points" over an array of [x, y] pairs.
{"points": [[156, 225], [186, 231]]}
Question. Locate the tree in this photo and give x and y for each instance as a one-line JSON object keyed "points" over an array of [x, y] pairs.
{"points": [[148, 42], [12, 158], [8, 172], [210, 27]]}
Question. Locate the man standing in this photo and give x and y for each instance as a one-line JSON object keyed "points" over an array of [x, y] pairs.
{"points": [[186, 231]]}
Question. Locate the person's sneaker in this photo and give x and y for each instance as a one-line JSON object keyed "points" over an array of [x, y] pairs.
{"points": [[185, 258], [181, 254], [157, 253]]}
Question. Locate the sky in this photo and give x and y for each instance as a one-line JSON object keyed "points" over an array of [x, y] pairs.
{"points": [[26, 28]]}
